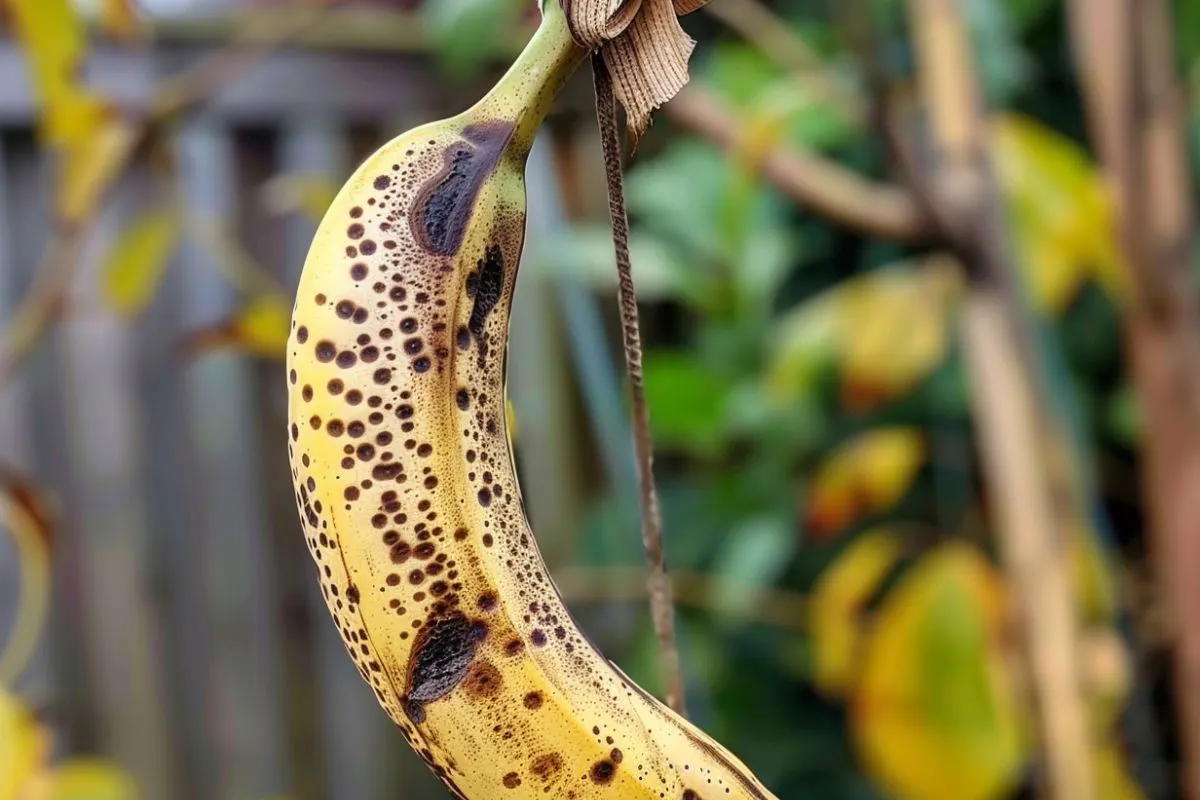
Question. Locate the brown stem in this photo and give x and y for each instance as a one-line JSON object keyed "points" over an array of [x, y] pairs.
{"points": [[1125, 57], [1022, 447], [817, 184], [661, 606], [1010, 440]]}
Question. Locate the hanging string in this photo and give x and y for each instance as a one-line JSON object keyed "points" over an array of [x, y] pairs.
{"points": [[661, 604]]}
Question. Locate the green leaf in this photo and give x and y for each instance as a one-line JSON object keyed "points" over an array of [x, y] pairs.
{"points": [[679, 195], [586, 253], [751, 82], [753, 557], [765, 261], [467, 32], [137, 261], [686, 403], [1004, 65], [1125, 417], [937, 714], [951, 643], [738, 72]]}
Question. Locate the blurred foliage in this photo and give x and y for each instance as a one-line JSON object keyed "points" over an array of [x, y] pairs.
{"points": [[806, 386], [137, 260], [808, 402], [28, 769]]}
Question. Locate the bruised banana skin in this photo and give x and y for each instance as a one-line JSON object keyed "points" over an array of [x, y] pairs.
{"points": [[406, 485]]}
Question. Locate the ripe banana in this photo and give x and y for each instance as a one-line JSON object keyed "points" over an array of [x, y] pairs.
{"points": [[407, 489]]}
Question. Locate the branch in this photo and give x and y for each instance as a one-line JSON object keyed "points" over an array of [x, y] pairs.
{"points": [[661, 604], [762, 27], [1125, 62], [351, 28], [1014, 414], [41, 305], [1009, 432], [819, 185]]}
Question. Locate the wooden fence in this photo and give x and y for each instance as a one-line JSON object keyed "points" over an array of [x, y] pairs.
{"points": [[187, 638]]}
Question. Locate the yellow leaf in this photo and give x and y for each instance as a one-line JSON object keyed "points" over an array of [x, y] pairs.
{"points": [[262, 326], [894, 329], [805, 343], [24, 748], [90, 779], [310, 195], [867, 475], [91, 165], [936, 715], [1092, 574], [138, 259], [837, 599], [119, 19], [768, 122], [1061, 211], [1113, 778], [887, 329], [55, 44]]}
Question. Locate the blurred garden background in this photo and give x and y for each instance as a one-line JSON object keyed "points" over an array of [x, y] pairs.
{"points": [[923, 365]]}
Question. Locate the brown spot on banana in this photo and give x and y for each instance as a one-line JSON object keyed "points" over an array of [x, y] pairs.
{"points": [[442, 209], [406, 487]]}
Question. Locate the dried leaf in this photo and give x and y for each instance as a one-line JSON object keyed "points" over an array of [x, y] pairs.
{"points": [[137, 260], [837, 600], [866, 476], [936, 713], [643, 46]]}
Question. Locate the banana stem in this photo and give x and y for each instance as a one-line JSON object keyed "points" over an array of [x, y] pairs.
{"points": [[534, 79]]}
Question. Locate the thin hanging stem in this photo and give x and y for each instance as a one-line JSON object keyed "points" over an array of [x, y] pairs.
{"points": [[661, 605]]}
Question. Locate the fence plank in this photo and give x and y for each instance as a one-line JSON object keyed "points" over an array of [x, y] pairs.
{"points": [[15, 445], [62, 659], [239, 579], [119, 605], [176, 547], [264, 235]]}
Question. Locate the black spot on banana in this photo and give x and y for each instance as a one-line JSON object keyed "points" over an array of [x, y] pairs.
{"points": [[405, 481]]}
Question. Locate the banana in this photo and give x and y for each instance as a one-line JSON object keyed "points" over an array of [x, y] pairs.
{"points": [[406, 485]]}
